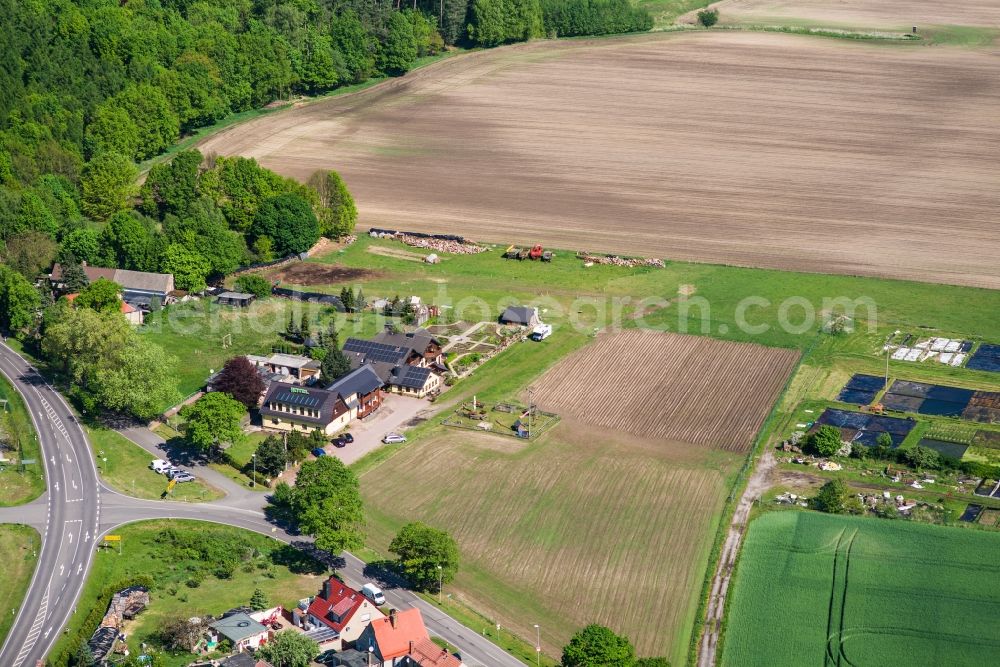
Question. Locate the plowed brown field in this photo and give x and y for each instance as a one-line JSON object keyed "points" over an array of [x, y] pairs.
{"points": [[756, 149], [898, 14], [609, 517], [671, 387]]}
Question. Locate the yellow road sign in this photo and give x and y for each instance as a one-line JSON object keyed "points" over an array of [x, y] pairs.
{"points": [[171, 485], [112, 538]]}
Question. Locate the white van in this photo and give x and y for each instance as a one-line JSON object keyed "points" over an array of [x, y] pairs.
{"points": [[373, 593], [541, 332], [160, 466]]}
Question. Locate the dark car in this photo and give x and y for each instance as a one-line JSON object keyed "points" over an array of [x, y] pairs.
{"points": [[318, 452], [348, 438], [342, 440]]}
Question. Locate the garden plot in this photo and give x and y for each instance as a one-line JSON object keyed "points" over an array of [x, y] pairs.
{"points": [[943, 401], [861, 389], [864, 428], [986, 358], [508, 419], [667, 386], [952, 450]]}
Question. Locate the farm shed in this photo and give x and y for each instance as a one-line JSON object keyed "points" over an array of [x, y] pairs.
{"points": [[238, 299], [520, 315]]}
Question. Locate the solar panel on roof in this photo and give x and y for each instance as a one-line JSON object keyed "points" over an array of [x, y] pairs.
{"points": [[375, 352], [299, 399]]}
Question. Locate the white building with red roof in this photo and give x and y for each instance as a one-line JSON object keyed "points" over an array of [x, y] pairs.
{"points": [[343, 610], [401, 640]]}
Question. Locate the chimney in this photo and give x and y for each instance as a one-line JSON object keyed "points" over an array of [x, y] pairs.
{"points": [[326, 589], [411, 647], [392, 617]]}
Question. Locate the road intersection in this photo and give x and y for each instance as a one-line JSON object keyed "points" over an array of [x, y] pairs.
{"points": [[78, 509]]}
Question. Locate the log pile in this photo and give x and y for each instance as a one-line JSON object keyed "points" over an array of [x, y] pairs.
{"points": [[442, 245], [626, 262]]}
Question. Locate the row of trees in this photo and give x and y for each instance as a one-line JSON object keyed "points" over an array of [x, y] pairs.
{"points": [[599, 646], [494, 22]]}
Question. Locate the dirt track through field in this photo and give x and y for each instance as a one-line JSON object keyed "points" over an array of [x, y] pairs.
{"points": [[670, 387], [757, 149]]}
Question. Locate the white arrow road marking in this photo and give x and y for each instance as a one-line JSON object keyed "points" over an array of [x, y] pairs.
{"points": [[57, 487], [53, 458], [68, 459], [70, 536], [87, 538], [79, 568], [62, 568], [73, 482]]}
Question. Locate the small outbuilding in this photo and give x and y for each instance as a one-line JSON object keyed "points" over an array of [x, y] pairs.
{"points": [[238, 299], [524, 316]]}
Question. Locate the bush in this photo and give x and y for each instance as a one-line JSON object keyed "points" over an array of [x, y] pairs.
{"points": [[708, 17], [825, 441], [251, 283]]}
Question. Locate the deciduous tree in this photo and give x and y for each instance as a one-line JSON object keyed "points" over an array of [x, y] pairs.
{"points": [[271, 456], [213, 420], [288, 220], [239, 379], [338, 212], [826, 441], [188, 267], [426, 556], [107, 183], [598, 646], [289, 648], [19, 300], [326, 503], [251, 283], [102, 295], [832, 497]]}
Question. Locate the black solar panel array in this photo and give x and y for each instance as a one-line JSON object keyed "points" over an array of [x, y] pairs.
{"points": [[299, 399], [375, 352]]}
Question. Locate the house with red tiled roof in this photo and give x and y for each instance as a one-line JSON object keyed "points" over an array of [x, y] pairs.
{"points": [[401, 640], [132, 314], [343, 610], [425, 653]]}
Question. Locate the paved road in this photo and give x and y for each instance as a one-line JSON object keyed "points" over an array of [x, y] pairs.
{"points": [[72, 515], [79, 509], [474, 649]]}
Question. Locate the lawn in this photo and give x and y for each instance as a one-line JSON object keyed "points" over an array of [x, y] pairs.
{"points": [[18, 548], [185, 582], [125, 466], [19, 487], [819, 589]]}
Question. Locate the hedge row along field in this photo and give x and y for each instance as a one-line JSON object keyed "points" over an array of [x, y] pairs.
{"points": [[815, 589]]}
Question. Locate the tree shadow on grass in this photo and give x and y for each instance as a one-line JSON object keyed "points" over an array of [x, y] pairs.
{"points": [[301, 560]]}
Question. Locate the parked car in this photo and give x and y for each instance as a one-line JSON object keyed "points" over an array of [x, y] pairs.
{"points": [[183, 477], [373, 593], [393, 438], [348, 438], [160, 466], [318, 452], [340, 441]]}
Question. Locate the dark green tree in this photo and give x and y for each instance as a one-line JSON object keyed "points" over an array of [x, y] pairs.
{"points": [[84, 656], [173, 186], [400, 49], [259, 601], [338, 213], [252, 283], [426, 556], [73, 276], [598, 646], [826, 441], [884, 440], [354, 44], [923, 458], [271, 456], [289, 221], [101, 295], [107, 183], [335, 363], [832, 497], [326, 503], [347, 298], [213, 420], [708, 17], [189, 268], [84, 244]]}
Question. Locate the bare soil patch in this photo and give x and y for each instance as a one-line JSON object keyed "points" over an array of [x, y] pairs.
{"points": [[396, 253], [670, 387], [756, 149], [309, 274], [895, 14]]}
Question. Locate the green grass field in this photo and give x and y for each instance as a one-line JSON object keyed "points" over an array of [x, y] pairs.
{"points": [[18, 546], [279, 570], [814, 589], [125, 466], [19, 487]]}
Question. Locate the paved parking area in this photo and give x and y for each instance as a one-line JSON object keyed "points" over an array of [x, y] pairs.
{"points": [[394, 415]]}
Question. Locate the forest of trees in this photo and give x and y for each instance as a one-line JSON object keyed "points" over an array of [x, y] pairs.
{"points": [[94, 86]]}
